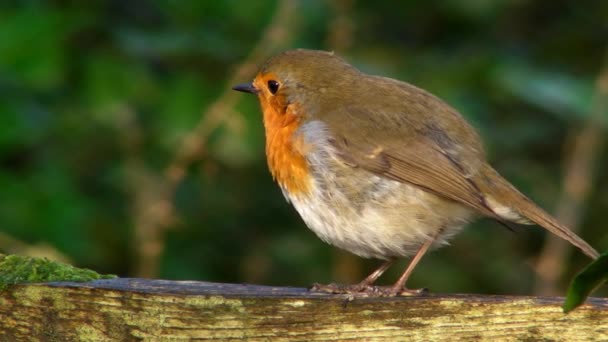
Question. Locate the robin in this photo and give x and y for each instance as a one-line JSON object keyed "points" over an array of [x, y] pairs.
{"points": [[379, 167]]}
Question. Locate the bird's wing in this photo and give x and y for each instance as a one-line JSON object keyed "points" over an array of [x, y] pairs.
{"points": [[415, 159], [423, 142]]}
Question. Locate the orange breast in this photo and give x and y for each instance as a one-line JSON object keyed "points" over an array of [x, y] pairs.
{"points": [[284, 152]]}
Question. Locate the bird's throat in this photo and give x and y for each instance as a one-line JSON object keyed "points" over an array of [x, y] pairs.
{"points": [[284, 151]]}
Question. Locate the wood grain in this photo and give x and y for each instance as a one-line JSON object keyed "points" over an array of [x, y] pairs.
{"points": [[159, 310]]}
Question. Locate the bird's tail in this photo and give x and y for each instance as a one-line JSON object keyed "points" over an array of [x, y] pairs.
{"points": [[516, 207]]}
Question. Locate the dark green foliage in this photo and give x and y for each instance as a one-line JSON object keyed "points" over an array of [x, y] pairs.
{"points": [[589, 279]]}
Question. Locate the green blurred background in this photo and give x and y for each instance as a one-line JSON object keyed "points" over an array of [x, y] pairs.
{"points": [[123, 149]]}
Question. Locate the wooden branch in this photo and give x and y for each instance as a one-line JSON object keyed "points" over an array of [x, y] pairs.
{"points": [[135, 309]]}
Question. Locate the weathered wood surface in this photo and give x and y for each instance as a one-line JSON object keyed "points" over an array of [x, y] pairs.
{"points": [[138, 309]]}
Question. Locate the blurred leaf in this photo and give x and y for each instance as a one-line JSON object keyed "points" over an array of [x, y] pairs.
{"points": [[585, 282], [180, 108], [21, 123], [45, 204], [113, 81], [551, 90], [168, 44], [475, 9], [28, 35]]}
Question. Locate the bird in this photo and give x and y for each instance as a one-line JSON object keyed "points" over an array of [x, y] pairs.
{"points": [[379, 167]]}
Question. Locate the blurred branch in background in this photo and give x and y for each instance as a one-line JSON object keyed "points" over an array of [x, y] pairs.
{"points": [[156, 215], [578, 180]]}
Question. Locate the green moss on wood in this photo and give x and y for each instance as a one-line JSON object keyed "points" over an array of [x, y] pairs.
{"points": [[16, 269]]}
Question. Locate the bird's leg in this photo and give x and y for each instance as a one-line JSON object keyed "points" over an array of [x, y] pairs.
{"points": [[367, 282], [364, 286], [399, 287]]}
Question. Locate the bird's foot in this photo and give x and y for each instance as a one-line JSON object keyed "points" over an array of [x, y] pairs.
{"points": [[392, 291], [363, 290], [334, 288]]}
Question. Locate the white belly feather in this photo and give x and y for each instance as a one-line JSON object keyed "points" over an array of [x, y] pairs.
{"points": [[366, 214]]}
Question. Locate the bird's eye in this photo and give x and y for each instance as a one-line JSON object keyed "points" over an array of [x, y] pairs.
{"points": [[273, 86]]}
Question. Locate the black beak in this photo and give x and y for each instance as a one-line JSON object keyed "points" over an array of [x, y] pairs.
{"points": [[245, 88]]}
